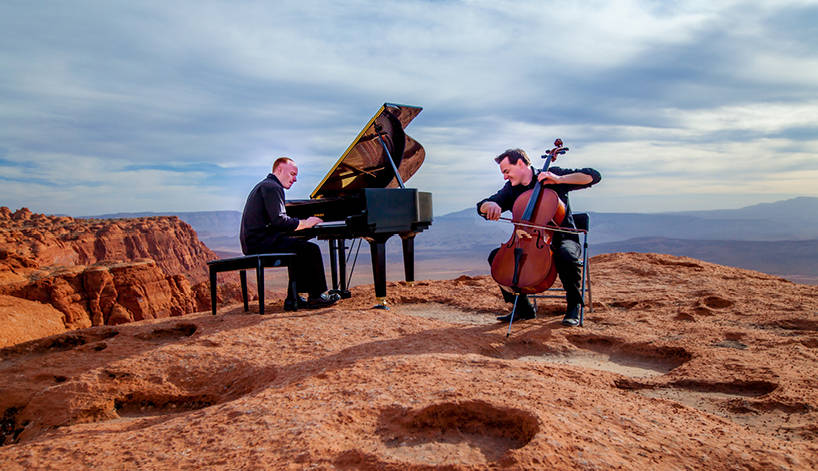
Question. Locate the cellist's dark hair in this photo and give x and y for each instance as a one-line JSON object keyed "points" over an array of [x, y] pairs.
{"points": [[513, 155]]}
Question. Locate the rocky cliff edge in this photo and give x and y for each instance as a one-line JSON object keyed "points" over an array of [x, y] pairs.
{"points": [[99, 271]]}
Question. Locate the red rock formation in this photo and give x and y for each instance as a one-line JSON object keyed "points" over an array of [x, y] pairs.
{"points": [[110, 293], [58, 240], [99, 272], [23, 320]]}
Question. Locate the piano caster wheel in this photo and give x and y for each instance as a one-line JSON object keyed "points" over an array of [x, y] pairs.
{"points": [[381, 304]]}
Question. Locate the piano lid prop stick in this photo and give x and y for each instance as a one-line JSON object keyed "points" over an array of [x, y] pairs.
{"points": [[379, 130]]}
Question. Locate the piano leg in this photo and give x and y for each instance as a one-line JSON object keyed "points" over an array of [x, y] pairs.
{"points": [[333, 263], [338, 266], [378, 250], [408, 256], [342, 269]]}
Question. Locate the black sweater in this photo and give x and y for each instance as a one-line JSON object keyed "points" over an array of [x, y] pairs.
{"points": [[264, 217]]}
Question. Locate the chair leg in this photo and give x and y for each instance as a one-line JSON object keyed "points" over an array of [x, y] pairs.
{"points": [[588, 280], [213, 291], [260, 281], [243, 277]]}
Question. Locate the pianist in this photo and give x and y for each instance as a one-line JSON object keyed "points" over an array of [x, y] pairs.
{"points": [[266, 228]]}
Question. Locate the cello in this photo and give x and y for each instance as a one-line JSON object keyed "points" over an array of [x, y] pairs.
{"points": [[524, 264]]}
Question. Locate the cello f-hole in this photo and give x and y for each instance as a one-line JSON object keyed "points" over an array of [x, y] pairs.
{"points": [[540, 240]]}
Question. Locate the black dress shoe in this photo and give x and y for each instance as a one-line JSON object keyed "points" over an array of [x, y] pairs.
{"points": [[289, 304], [324, 300], [520, 315], [571, 318]]}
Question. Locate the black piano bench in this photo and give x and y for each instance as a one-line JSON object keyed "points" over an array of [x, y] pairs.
{"points": [[247, 262]]}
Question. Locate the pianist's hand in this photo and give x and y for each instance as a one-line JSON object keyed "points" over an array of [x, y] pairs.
{"points": [[309, 222]]}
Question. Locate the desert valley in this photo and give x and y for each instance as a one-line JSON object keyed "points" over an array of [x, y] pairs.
{"points": [[112, 360]]}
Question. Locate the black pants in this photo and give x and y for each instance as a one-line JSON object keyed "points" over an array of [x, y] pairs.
{"points": [[567, 253], [309, 266]]}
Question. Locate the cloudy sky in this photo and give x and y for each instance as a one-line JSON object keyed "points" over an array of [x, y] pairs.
{"points": [[119, 106]]}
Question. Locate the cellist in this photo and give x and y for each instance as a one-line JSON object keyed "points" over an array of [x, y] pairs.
{"points": [[521, 176]]}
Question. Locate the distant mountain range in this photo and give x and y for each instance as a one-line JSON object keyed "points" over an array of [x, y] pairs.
{"points": [[796, 260], [793, 219], [779, 238]]}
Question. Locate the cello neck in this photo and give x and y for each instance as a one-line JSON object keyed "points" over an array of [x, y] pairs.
{"points": [[546, 164], [549, 156]]}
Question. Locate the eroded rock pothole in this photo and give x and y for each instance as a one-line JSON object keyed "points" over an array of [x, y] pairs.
{"points": [[445, 313], [613, 355], [141, 405], [744, 402], [61, 342], [625, 365], [717, 302], [462, 433], [182, 329]]}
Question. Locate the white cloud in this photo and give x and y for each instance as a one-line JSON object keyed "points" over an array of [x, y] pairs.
{"points": [[755, 117]]}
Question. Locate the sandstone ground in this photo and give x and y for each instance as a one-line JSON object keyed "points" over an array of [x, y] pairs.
{"points": [[681, 365]]}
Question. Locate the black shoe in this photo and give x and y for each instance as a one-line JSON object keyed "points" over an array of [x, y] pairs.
{"points": [[325, 300], [522, 314], [289, 304], [571, 318]]}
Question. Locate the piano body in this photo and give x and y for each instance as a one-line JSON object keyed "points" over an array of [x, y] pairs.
{"points": [[364, 196]]}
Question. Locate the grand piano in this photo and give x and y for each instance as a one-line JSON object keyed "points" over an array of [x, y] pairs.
{"points": [[364, 196]]}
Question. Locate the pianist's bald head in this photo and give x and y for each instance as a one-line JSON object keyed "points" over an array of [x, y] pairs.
{"points": [[282, 160], [286, 171]]}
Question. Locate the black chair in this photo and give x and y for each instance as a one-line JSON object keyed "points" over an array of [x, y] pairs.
{"points": [[582, 222], [259, 262]]}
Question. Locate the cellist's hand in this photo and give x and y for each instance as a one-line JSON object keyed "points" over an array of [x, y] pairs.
{"points": [[548, 178], [523, 234], [491, 210]]}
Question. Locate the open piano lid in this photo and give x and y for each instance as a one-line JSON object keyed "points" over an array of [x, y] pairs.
{"points": [[364, 164]]}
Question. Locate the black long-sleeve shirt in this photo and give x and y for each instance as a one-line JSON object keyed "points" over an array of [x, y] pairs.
{"points": [[506, 196], [264, 217]]}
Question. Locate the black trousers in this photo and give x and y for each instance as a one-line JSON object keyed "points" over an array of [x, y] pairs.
{"points": [[309, 266], [567, 253]]}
